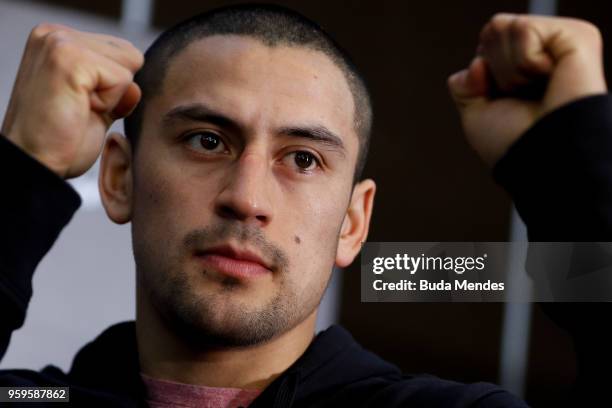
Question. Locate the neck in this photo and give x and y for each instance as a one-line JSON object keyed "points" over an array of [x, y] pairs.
{"points": [[164, 356]]}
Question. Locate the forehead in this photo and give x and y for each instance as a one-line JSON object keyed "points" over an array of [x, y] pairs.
{"points": [[260, 85]]}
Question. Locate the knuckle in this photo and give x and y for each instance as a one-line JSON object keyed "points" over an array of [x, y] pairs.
{"points": [[497, 16], [485, 33], [55, 38], [126, 43], [135, 54], [489, 37], [591, 32], [499, 22], [43, 30], [120, 42], [496, 26], [135, 58], [520, 25], [40, 30], [125, 76], [519, 34], [139, 57], [61, 52]]}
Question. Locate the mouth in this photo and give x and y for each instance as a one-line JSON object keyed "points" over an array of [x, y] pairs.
{"points": [[234, 262]]}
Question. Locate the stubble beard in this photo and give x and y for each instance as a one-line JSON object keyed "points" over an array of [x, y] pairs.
{"points": [[218, 319]]}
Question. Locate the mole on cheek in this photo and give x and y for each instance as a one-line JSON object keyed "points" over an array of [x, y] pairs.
{"points": [[297, 239], [153, 198]]}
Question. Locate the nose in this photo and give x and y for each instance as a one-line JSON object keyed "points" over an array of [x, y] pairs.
{"points": [[244, 196]]}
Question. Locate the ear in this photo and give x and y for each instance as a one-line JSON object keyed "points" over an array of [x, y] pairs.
{"points": [[115, 180], [356, 223]]}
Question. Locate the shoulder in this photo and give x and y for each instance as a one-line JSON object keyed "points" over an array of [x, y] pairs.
{"points": [[48, 376], [431, 391]]}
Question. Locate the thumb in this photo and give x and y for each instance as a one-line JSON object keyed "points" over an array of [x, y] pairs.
{"points": [[128, 102], [470, 84]]}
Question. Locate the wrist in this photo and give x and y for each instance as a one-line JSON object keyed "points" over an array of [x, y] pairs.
{"points": [[21, 142], [575, 79]]}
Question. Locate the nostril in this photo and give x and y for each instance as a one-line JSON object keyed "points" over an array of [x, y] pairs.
{"points": [[234, 213], [228, 212]]}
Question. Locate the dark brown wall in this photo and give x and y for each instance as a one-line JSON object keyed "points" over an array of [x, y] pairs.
{"points": [[432, 187]]}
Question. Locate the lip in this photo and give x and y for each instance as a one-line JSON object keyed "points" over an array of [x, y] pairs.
{"points": [[233, 262]]}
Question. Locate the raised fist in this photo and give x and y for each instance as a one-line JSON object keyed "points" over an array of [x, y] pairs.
{"points": [[526, 66], [70, 87]]}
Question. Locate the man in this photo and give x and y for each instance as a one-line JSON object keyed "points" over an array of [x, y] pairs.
{"points": [[240, 177]]}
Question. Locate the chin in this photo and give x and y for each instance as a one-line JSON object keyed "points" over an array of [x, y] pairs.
{"points": [[226, 319]]}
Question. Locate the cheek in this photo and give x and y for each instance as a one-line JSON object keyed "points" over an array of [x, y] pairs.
{"points": [[325, 211], [167, 203], [314, 246], [151, 228], [315, 225]]}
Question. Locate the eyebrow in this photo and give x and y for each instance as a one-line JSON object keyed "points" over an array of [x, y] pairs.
{"points": [[317, 133], [199, 112]]}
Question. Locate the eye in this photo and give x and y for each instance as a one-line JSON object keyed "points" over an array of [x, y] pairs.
{"points": [[208, 141], [303, 160]]}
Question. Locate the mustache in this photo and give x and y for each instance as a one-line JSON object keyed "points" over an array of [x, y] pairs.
{"points": [[244, 234]]}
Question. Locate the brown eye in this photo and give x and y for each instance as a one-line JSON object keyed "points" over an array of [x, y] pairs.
{"points": [[304, 160], [207, 141]]}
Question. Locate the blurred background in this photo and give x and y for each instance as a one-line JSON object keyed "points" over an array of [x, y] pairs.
{"points": [[431, 187]]}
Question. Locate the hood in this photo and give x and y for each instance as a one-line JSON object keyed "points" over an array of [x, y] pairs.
{"points": [[109, 366], [332, 361]]}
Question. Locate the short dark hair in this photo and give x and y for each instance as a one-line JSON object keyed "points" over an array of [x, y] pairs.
{"points": [[272, 25]]}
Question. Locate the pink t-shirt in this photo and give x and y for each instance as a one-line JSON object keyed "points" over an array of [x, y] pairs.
{"points": [[169, 394]]}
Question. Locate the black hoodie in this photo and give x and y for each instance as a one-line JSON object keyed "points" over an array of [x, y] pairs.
{"points": [[334, 370]]}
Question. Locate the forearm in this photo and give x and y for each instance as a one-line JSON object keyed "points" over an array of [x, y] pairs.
{"points": [[36, 204], [560, 176], [559, 173]]}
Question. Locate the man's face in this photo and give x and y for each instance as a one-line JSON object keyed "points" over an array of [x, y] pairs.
{"points": [[242, 179]]}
